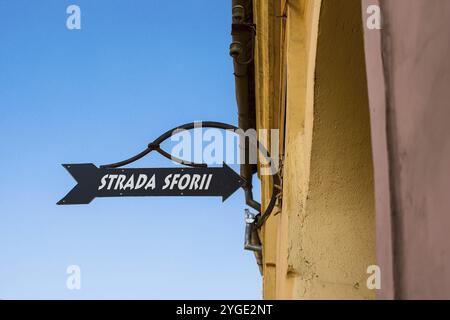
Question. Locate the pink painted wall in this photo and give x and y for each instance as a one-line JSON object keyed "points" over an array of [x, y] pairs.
{"points": [[408, 71]]}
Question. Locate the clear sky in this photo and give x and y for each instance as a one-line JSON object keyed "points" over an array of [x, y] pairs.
{"points": [[100, 94]]}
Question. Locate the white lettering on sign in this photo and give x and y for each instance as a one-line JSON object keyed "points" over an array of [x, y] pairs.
{"points": [[187, 181], [122, 183], [171, 182], [141, 180], [151, 183]]}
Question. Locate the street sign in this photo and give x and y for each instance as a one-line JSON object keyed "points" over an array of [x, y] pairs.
{"points": [[93, 182]]}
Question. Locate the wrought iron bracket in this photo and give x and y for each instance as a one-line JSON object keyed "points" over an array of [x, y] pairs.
{"points": [[155, 145]]}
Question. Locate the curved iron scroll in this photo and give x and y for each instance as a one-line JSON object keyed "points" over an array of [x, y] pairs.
{"points": [[155, 146]]}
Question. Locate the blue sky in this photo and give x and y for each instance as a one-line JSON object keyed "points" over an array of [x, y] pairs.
{"points": [[100, 94]]}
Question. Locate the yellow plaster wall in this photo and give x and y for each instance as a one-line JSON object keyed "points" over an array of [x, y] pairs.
{"points": [[320, 238], [267, 82]]}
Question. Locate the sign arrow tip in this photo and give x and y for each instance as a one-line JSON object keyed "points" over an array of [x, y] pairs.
{"points": [[233, 181]]}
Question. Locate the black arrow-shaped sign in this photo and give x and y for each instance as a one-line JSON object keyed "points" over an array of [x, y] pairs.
{"points": [[103, 182]]}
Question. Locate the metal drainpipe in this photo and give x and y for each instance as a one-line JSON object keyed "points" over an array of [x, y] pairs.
{"points": [[242, 51]]}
